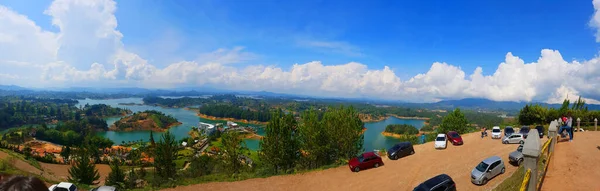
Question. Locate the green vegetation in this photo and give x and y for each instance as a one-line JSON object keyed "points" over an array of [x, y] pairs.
{"points": [[146, 120], [401, 129], [83, 171], [165, 155], [454, 121], [103, 110], [233, 147], [513, 182], [279, 147], [427, 128], [540, 115], [236, 112], [116, 177]]}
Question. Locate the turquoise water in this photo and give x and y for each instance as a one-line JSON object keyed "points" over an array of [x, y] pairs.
{"points": [[373, 137]]}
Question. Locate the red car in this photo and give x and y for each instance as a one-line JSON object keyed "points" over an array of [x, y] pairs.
{"points": [[364, 161], [454, 138]]}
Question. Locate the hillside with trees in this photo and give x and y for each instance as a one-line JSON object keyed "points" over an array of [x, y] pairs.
{"points": [[103, 110], [403, 129], [146, 120]]}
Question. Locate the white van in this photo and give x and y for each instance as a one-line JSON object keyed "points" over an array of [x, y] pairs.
{"points": [[496, 132]]}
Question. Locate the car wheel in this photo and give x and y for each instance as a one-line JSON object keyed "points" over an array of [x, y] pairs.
{"points": [[502, 171], [504, 142], [519, 162], [356, 169], [521, 142], [376, 165], [412, 152], [484, 181]]}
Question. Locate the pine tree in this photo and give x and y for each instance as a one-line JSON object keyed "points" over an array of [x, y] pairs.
{"points": [[233, 147], [131, 179], [455, 121], [164, 156], [116, 177], [279, 146], [83, 170], [152, 139], [65, 153]]}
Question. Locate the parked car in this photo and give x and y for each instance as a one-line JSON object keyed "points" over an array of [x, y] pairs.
{"points": [[487, 169], [508, 130], [400, 150], [365, 161], [540, 130], [63, 186], [514, 138], [454, 138], [524, 131], [440, 141], [105, 188], [516, 157], [496, 132], [441, 182]]}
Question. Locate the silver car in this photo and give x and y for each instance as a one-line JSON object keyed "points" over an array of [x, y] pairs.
{"points": [[514, 138], [516, 157], [487, 169]]}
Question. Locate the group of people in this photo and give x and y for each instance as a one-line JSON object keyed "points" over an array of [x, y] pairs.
{"points": [[21, 183], [567, 125]]}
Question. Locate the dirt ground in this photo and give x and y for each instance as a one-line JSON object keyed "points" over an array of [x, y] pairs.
{"points": [[575, 165], [56, 172], [403, 174]]}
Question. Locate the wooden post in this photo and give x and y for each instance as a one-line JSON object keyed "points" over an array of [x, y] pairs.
{"points": [[531, 153], [595, 124], [578, 122]]}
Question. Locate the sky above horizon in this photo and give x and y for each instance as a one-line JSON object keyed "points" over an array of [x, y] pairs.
{"points": [[419, 51]]}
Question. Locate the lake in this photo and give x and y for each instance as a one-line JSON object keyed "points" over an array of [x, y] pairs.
{"points": [[373, 138]]}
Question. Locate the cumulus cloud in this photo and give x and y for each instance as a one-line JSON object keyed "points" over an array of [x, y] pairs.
{"points": [[595, 21], [88, 50]]}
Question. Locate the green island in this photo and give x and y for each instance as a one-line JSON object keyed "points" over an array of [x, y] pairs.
{"points": [[401, 129], [145, 120]]}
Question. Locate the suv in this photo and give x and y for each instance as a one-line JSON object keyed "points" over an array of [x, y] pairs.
{"points": [[364, 161], [63, 186], [454, 138], [441, 182], [516, 157], [514, 138], [487, 169], [496, 132], [524, 131], [540, 130], [440, 141], [400, 150], [508, 130]]}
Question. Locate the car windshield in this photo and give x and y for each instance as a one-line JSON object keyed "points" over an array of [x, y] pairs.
{"points": [[509, 130], [440, 139], [361, 158], [454, 135], [395, 148], [496, 130], [524, 129], [60, 189], [482, 167]]}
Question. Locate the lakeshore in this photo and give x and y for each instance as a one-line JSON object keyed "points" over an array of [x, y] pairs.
{"points": [[144, 128], [227, 119]]}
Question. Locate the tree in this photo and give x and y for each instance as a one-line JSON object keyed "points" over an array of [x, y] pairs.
{"points": [[279, 146], [200, 166], [313, 141], [131, 179], [233, 147], [152, 139], [116, 177], [165, 155], [343, 129], [454, 121], [83, 170], [65, 153]]}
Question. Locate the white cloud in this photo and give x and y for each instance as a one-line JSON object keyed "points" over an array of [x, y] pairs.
{"points": [[88, 51], [595, 21]]}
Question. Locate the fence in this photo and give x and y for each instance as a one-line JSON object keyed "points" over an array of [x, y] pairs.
{"points": [[542, 167]]}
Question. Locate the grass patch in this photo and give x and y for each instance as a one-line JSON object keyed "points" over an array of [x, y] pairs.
{"points": [[185, 153], [513, 182], [179, 163], [31, 161]]}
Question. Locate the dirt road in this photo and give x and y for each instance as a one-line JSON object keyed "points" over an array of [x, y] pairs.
{"points": [[575, 165], [403, 174]]}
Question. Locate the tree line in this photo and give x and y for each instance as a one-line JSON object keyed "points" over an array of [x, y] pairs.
{"points": [[236, 112], [403, 129], [535, 114]]}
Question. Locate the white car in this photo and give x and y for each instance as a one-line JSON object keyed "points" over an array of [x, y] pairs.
{"points": [[514, 138], [496, 132], [440, 141], [63, 186]]}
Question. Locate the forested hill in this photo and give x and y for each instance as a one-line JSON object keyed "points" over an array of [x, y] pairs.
{"points": [[103, 110], [146, 120]]}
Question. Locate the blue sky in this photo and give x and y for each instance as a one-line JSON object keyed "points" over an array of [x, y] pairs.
{"points": [[406, 36]]}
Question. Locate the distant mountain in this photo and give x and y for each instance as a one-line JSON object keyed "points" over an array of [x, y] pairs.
{"points": [[12, 88], [490, 105]]}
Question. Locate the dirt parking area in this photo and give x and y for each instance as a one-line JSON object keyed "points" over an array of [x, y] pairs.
{"points": [[403, 174], [575, 165]]}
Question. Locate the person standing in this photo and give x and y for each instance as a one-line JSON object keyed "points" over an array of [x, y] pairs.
{"points": [[570, 126]]}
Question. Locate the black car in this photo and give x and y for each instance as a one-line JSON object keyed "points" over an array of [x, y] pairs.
{"points": [[540, 130], [508, 130], [441, 182], [400, 150], [524, 131]]}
